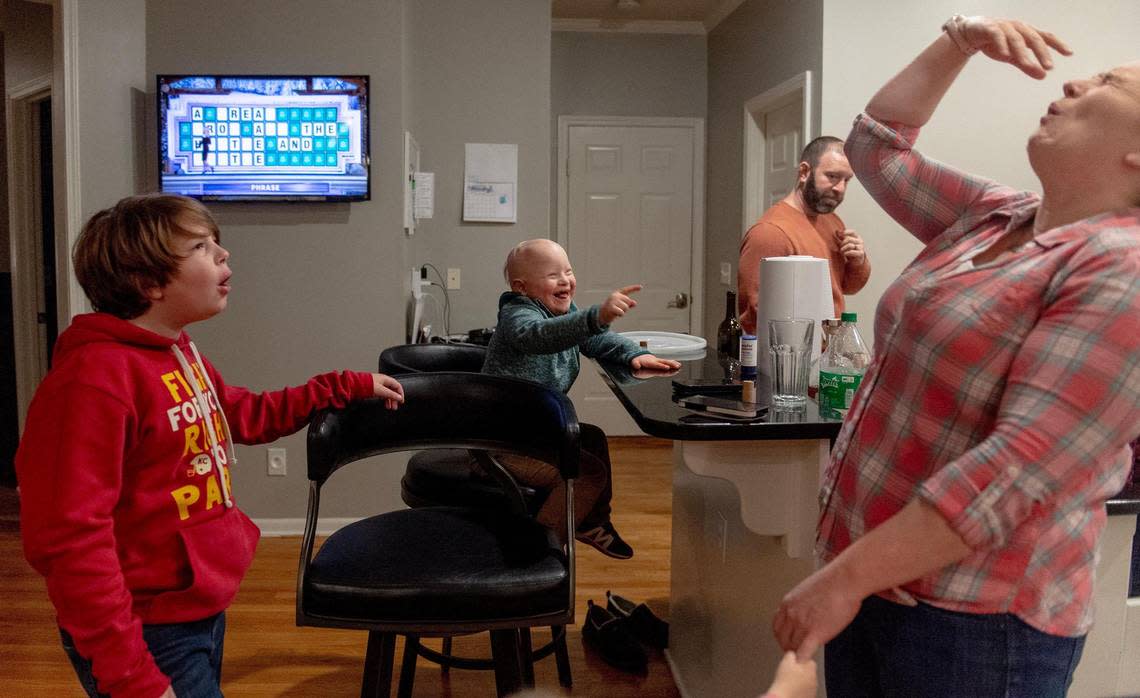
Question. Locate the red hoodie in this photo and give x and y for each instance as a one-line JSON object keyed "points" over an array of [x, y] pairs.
{"points": [[122, 509]]}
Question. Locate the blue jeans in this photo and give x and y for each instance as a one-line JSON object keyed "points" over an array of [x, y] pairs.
{"points": [[189, 653], [925, 652]]}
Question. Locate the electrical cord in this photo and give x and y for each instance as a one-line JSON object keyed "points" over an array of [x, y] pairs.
{"points": [[446, 297], [435, 302]]}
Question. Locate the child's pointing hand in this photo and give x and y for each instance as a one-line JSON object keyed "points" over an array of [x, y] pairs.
{"points": [[617, 304]]}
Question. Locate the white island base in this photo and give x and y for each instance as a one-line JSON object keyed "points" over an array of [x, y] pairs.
{"points": [[744, 518]]}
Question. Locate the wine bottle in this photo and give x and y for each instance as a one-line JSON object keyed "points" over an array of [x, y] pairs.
{"points": [[728, 333]]}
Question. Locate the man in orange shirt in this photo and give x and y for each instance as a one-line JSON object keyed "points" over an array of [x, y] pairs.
{"points": [[802, 223]]}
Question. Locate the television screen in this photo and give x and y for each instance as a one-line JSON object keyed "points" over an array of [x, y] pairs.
{"points": [[264, 137]]}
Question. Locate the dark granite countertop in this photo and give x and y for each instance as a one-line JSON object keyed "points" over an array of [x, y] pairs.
{"points": [[650, 401]]}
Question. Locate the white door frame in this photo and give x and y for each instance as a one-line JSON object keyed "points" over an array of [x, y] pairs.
{"points": [[24, 221], [697, 125], [63, 87], [755, 112], [71, 299]]}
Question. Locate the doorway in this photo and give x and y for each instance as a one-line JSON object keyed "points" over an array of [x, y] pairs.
{"points": [[631, 210], [777, 125], [35, 321]]}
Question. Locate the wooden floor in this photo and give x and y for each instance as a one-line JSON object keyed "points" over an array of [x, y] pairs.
{"points": [[267, 655]]}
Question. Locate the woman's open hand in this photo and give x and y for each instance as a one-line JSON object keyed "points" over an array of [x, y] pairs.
{"points": [[1012, 41]]}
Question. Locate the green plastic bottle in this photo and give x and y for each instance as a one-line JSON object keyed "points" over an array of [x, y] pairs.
{"points": [[841, 367]]}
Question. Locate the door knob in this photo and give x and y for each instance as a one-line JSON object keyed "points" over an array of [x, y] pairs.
{"points": [[681, 300]]}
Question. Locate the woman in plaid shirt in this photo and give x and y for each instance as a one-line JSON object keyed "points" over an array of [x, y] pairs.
{"points": [[965, 495]]}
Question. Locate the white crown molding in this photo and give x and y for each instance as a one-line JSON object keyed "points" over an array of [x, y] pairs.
{"points": [[721, 11], [634, 26]]}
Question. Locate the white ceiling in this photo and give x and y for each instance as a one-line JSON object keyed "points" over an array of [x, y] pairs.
{"points": [[612, 13]]}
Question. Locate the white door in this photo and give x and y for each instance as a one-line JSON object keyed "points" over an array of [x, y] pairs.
{"points": [[630, 220], [775, 130], [782, 148]]}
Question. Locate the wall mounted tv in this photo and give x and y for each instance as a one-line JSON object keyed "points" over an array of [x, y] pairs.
{"points": [[264, 137]]}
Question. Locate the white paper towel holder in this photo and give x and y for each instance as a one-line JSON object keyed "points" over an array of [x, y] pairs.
{"points": [[793, 286]]}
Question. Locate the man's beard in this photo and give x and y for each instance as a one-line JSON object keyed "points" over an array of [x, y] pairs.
{"points": [[815, 201]]}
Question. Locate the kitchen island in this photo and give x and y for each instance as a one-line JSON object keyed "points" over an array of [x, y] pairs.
{"points": [[744, 515]]}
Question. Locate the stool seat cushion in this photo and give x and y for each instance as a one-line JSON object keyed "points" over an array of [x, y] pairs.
{"points": [[438, 563]]}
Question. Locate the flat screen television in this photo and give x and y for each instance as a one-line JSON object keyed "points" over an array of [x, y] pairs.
{"points": [[264, 137]]}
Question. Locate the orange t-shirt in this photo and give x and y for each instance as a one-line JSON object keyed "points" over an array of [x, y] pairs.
{"points": [[783, 231]]}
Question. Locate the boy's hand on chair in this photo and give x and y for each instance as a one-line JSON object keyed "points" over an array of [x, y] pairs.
{"points": [[648, 365], [387, 387], [617, 304]]}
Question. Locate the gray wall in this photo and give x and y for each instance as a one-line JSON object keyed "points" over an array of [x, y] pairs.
{"points": [[760, 45], [611, 74], [983, 123], [27, 56], [110, 45], [27, 42], [479, 77], [317, 287]]}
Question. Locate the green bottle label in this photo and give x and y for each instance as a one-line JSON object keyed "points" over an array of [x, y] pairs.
{"points": [[837, 389]]}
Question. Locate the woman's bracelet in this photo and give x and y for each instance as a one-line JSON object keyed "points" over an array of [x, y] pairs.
{"points": [[953, 28]]}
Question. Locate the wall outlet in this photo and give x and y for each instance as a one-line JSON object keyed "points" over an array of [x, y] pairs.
{"points": [[452, 278], [726, 273], [275, 462]]}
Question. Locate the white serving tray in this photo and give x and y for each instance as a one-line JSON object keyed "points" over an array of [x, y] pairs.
{"points": [[672, 345]]}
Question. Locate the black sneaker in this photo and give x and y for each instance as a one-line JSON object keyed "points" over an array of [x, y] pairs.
{"points": [[606, 540], [612, 639]]}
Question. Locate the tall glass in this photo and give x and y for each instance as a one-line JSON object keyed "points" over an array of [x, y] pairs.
{"points": [[789, 349]]}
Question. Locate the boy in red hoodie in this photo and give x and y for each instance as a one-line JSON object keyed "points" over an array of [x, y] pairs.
{"points": [[126, 507]]}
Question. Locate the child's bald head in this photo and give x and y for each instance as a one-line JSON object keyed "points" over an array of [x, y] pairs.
{"points": [[528, 254], [540, 270]]}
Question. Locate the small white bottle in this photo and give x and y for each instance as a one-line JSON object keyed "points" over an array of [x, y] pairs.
{"points": [[747, 356]]}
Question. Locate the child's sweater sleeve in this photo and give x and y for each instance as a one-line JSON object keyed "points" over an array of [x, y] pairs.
{"points": [[257, 418], [610, 346], [524, 327], [69, 489]]}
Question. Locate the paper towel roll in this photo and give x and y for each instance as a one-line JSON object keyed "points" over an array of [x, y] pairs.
{"points": [[798, 286]]}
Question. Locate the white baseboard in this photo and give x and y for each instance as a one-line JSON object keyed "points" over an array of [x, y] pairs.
{"points": [[278, 528]]}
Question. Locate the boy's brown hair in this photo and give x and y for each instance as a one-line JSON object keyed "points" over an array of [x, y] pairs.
{"points": [[126, 250]]}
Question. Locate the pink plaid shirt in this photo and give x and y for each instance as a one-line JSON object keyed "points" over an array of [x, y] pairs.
{"points": [[1005, 395]]}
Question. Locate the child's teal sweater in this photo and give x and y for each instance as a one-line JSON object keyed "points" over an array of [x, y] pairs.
{"points": [[531, 342]]}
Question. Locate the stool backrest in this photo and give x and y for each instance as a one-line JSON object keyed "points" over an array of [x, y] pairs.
{"points": [[450, 410], [426, 358]]}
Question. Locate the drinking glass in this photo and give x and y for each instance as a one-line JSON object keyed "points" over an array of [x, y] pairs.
{"points": [[789, 349]]}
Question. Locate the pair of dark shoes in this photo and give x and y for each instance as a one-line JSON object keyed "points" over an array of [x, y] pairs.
{"points": [[618, 631], [612, 639], [642, 622], [605, 540]]}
